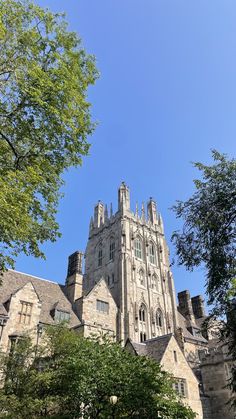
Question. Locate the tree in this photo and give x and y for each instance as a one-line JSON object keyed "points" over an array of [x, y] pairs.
{"points": [[78, 376], [208, 236], [44, 122]]}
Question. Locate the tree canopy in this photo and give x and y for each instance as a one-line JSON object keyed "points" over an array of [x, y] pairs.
{"points": [[208, 238], [44, 121], [70, 376]]}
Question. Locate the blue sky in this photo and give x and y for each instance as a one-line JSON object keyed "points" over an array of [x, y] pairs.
{"points": [[165, 97]]}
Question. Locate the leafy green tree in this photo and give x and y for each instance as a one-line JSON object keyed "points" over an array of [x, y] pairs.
{"points": [[208, 237], [44, 122], [78, 376]]}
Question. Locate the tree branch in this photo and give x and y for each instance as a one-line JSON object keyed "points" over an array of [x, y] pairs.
{"points": [[10, 144]]}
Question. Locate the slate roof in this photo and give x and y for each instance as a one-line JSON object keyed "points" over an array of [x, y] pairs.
{"points": [[50, 294], [154, 348], [186, 333]]}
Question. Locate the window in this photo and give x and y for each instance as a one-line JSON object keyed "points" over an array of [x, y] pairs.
{"points": [[100, 255], [142, 313], [25, 312], [143, 337], [138, 248], [102, 306], [175, 356], [61, 316], [108, 280], [159, 318], [112, 249], [152, 258], [141, 278], [180, 386]]}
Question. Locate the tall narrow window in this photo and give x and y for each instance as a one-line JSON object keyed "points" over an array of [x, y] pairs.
{"points": [[100, 255], [152, 258], [142, 337], [159, 318], [142, 313], [138, 248], [112, 249], [25, 312], [142, 323]]}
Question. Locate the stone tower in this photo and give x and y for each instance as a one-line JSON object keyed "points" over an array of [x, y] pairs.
{"points": [[129, 250]]}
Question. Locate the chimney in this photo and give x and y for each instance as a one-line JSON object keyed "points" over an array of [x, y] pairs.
{"points": [[185, 304], [74, 280], [198, 306]]}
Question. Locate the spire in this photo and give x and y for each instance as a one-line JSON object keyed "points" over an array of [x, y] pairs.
{"points": [[143, 212], [123, 198], [136, 210], [106, 213], [111, 210], [152, 211], [91, 224], [160, 222]]}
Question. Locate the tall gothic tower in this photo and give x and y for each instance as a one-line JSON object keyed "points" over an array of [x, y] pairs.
{"points": [[128, 249]]}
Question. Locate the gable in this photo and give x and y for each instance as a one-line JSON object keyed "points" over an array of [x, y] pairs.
{"points": [[174, 361]]}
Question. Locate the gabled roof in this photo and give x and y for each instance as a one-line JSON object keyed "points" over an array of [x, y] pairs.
{"points": [[49, 294], [88, 292], [154, 348], [186, 332]]}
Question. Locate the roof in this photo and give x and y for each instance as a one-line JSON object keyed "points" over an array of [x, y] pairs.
{"points": [[154, 348], [186, 332], [49, 293]]}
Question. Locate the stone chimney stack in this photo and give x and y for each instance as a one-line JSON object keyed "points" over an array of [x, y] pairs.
{"points": [[198, 306], [74, 280], [185, 304], [152, 211], [123, 198]]}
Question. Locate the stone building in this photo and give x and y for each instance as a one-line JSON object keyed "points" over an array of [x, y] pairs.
{"points": [[126, 291]]}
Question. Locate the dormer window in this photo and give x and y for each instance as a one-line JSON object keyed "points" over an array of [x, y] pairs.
{"points": [[24, 315], [61, 316]]}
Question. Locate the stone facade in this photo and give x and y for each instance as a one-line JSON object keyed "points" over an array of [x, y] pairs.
{"points": [[126, 292]]}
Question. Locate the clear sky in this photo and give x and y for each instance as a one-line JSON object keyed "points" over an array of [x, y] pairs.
{"points": [[165, 97]]}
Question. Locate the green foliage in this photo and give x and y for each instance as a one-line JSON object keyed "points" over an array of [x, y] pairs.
{"points": [[44, 121], [78, 376], [208, 235], [208, 238]]}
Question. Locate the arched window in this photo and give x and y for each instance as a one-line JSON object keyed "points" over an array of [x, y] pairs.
{"points": [[138, 248], [151, 250], [159, 318], [100, 254], [112, 249], [143, 320], [142, 313], [143, 336], [141, 278]]}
